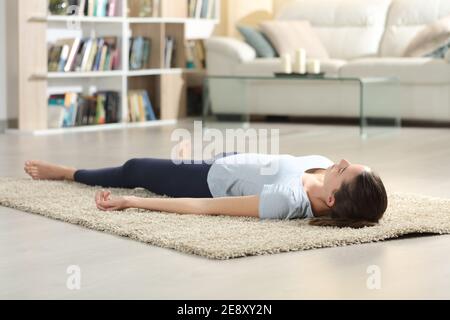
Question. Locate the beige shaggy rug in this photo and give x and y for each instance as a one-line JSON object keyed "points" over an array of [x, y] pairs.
{"points": [[217, 237]]}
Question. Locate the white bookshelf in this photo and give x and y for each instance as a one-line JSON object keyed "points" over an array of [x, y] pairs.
{"points": [[109, 74], [104, 127], [65, 19], [171, 20], [111, 20], [167, 87], [80, 75]]}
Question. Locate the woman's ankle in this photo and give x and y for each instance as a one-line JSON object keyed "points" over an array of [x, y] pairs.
{"points": [[69, 175]]}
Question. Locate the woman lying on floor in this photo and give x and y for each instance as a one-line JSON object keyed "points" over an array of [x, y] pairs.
{"points": [[342, 194]]}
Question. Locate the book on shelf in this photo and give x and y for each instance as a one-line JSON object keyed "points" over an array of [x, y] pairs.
{"points": [[65, 104], [64, 56], [144, 8], [140, 50], [89, 54], [72, 55], [169, 52], [72, 109], [81, 7], [156, 8], [202, 9], [56, 111], [55, 117], [102, 9], [54, 54], [195, 54], [212, 9], [89, 8], [59, 53], [140, 107]]}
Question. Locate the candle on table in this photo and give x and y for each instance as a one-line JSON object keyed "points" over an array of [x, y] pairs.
{"points": [[300, 61], [286, 63], [314, 66]]}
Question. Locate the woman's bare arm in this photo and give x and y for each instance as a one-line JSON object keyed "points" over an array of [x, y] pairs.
{"points": [[234, 206], [231, 206]]}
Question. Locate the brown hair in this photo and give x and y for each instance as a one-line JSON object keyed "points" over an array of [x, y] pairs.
{"points": [[358, 204]]}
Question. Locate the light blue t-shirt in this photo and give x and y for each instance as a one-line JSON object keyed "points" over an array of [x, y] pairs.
{"points": [[277, 179]]}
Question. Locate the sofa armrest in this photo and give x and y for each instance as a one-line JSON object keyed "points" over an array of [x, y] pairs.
{"points": [[224, 54], [232, 48]]}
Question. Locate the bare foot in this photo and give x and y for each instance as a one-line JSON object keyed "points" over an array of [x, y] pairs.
{"points": [[40, 170]]}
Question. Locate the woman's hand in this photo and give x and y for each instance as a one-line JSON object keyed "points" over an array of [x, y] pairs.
{"points": [[106, 202]]}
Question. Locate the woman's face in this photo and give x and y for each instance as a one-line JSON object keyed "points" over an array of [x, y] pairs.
{"points": [[337, 174]]}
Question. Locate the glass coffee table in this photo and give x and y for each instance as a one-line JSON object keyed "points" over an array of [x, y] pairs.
{"points": [[376, 100]]}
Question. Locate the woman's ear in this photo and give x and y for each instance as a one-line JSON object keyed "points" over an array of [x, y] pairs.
{"points": [[330, 200]]}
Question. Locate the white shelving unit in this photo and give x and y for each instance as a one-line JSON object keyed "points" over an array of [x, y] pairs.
{"points": [[113, 126], [65, 19], [166, 86]]}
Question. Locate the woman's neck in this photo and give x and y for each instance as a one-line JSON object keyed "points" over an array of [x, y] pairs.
{"points": [[313, 185]]}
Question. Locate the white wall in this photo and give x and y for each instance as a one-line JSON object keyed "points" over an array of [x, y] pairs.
{"points": [[3, 60], [278, 4], [246, 12]]}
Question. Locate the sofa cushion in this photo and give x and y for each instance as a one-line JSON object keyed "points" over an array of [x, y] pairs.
{"points": [[267, 67], [288, 36], [432, 38], [258, 41], [441, 52], [348, 29], [408, 70], [406, 19]]}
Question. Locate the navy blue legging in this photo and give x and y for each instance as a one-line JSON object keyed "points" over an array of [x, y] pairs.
{"points": [[160, 176]]}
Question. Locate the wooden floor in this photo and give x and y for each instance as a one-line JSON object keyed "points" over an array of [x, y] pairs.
{"points": [[36, 251]]}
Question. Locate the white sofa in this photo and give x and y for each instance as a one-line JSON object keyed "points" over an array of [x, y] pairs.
{"points": [[364, 38]]}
